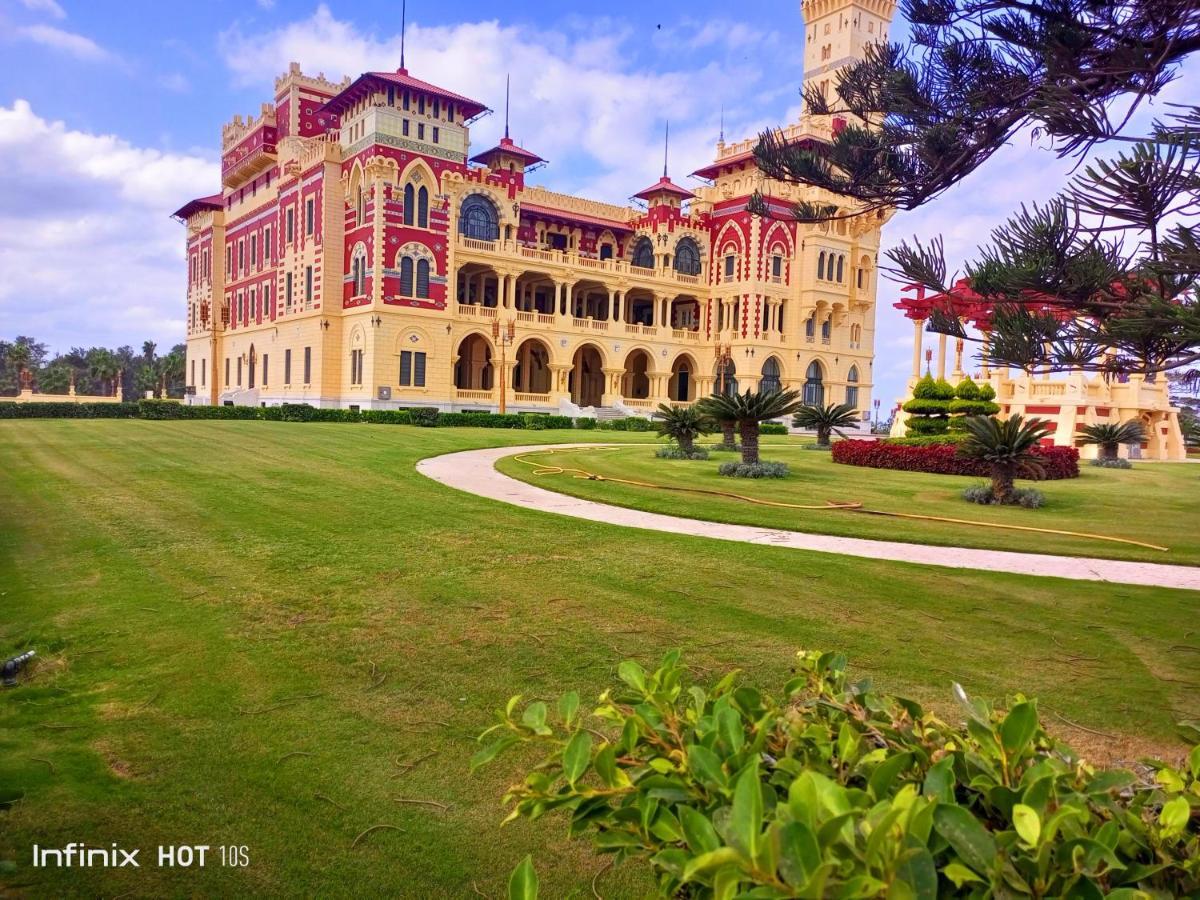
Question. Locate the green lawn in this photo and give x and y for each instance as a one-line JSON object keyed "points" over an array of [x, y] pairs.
{"points": [[1157, 503], [247, 629]]}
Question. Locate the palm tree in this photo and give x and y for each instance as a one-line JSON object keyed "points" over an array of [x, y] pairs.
{"points": [[102, 365], [170, 370], [1007, 447], [1110, 437], [682, 424], [747, 410], [18, 356], [826, 419]]}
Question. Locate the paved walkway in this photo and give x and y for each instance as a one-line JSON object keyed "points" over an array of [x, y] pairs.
{"points": [[474, 471]]}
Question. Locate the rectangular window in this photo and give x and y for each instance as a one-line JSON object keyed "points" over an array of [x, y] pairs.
{"points": [[227, 371], [203, 372], [356, 366], [287, 291], [412, 368], [252, 311], [420, 131], [267, 244], [421, 104], [406, 100], [192, 380], [308, 284], [449, 112], [287, 366], [241, 266], [777, 266], [239, 384], [265, 360], [308, 365], [309, 213], [729, 263], [391, 96], [437, 108], [253, 250], [404, 127], [289, 225], [436, 133]]}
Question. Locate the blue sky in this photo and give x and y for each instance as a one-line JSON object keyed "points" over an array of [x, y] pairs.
{"points": [[110, 117]]}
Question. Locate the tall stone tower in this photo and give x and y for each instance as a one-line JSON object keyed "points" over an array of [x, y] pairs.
{"points": [[837, 33]]}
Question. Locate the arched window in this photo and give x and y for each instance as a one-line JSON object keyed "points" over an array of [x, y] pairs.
{"points": [[852, 387], [726, 377], [423, 279], [358, 271], [821, 266], [687, 257], [478, 219], [814, 386], [643, 254], [406, 276], [770, 380], [826, 330], [810, 327], [606, 251], [358, 206], [423, 208], [410, 204], [840, 267]]}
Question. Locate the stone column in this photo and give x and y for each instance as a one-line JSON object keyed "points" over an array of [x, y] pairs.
{"points": [[941, 358], [612, 305], [510, 299], [612, 386], [918, 338]]}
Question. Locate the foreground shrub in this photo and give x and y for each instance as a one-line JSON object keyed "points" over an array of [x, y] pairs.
{"points": [[754, 470], [629, 423], [925, 440], [387, 416], [41, 410], [673, 451], [1115, 463], [585, 424], [1030, 498], [772, 428], [424, 416], [833, 790], [942, 459]]}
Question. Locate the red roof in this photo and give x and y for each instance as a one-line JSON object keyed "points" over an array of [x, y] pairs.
{"points": [[507, 146], [550, 212], [713, 170], [664, 185], [401, 78], [189, 209]]}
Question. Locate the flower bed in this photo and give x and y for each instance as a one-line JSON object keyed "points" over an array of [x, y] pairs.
{"points": [[943, 459]]}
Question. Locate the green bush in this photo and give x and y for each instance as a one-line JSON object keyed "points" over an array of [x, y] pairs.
{"points": [[161, 409], [987, 392], [973, 407], [1030, 498], [1114, 463], [967, 389], [387, 416], [556, 422], [834, 790], [585, 424], [926, 389], [772, 428], [943, 390], [926, 439], [673, 451], [42, 410], [763, 469], [424, 416], [927, 407], [923, 425], [629, 423]]}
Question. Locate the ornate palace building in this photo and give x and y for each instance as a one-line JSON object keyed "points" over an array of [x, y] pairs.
{"points": [[360, 254]]}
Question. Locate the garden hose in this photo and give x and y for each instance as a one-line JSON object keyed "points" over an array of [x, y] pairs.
{"points": [[542, 468]]}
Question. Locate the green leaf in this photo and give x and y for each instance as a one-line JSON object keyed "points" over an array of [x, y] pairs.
{"points": [[1028, 823], [939, 780], [698, 831], [568, 705], [729, 728], [1175, 814], [576, 756], [606, 765], [745, 820], [711, 861], [705, 765], [1194, 761], [799, 853], [534, 716], [1018, 728], [633, 675], [523, 882], [488, 753], [848, 742], [960, 874], [885, 773], [918, 871], [970, 840]]}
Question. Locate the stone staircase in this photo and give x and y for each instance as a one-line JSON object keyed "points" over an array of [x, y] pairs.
{"points": [[609, 412]]}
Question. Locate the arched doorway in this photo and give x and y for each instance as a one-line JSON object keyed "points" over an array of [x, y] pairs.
{"points": [[814, 385], [531, 375], [473, 371], [635, 383], [771, 380], [682, 385], [587, 377], [726, 377]]}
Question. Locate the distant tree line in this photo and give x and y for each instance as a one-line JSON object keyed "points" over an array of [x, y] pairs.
{"points": [[98, 371]]}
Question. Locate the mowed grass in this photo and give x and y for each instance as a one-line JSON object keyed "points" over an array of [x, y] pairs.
{"points": [[257, 633], [1155, 503]]}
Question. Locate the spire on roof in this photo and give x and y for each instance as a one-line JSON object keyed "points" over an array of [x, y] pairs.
{"points": [[722, 137], [403, 23], [507, 79], [666, 146]]}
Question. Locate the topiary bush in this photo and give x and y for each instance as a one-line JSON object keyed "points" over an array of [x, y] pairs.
{"points": [[926, 440], [1030, 498], [930, 407], [1110, 463], [967, 389], [918, 426], [834, 790], [673, 451], [772, 428], [754, 470]]}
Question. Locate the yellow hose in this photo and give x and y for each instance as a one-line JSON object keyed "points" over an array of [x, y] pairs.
{"points": [[541, 468]]}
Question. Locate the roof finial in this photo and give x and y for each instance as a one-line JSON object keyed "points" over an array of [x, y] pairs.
{"points": [[666, 146], [507, 79], [722, 137], [403, 22]]}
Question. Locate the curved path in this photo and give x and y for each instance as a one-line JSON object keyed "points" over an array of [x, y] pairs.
{"points": [[474, 471]]}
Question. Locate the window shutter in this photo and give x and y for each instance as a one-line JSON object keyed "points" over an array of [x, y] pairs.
{"points": [[423, 279], [405, 368], [419, 370], [406, 276]]}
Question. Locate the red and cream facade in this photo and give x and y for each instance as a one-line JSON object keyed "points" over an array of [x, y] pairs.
{"points": [[359, 255]]}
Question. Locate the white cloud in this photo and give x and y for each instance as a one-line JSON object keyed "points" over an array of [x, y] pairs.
{"points": [[49, 7], [578, 98], [76, 45], [102, 262], [175, 82]]}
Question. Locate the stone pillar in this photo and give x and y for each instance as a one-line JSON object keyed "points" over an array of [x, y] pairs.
{"points": [[612, 305], [941, 358], [918, 338], [510, 299], [612, 386]]}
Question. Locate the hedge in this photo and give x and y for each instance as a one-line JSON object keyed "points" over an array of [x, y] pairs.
{"points": [[426, 416], [772, 428], [943, 459], [36, 410]]}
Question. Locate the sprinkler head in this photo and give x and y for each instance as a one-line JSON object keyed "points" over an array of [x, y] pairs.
{"points": [[14, 665]]}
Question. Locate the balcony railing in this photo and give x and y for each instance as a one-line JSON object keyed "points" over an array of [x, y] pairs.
{"points": [[530, 398], [685, 334], [461, 394], [574, 259], [474, 309]]}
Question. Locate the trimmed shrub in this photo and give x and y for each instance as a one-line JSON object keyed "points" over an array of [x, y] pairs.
{"points": [[675, 452], [1030, 498], [967, 389], [1116, 463], [926, 440], [629, 423], [585, 424], [973, 407], [772, 428], [41, 410], [986, 392], [387, 416], [555, 421], [162, 409], [926, 389], [919, 425], [943, 458], [923, 407], [754, 470], [424, 416]]}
